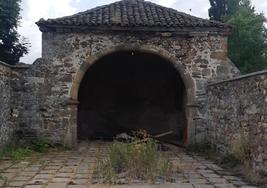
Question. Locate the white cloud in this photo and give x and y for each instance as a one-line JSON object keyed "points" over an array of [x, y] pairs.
{"points": [[33, 10], [260, 6], [36, 9], [166, 3]]}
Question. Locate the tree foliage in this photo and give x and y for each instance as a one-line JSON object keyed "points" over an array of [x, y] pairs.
{"points": [[217, 10], [11, 47], [248, 41], [247, 44]]}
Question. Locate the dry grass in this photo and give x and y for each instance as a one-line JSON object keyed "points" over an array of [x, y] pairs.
{"points": [[240, 148], [237, 159], [127, 162]]}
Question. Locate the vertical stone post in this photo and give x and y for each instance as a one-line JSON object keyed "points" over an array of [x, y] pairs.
{"points": [[191, 123], [71, 137], [190, 107]]}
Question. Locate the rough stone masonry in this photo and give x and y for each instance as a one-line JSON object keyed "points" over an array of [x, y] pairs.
{"points": [[6, 127], [238, 107], [41, 100]]}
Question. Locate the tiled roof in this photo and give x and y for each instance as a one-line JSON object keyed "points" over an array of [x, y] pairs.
{"points": [[131, 15]]}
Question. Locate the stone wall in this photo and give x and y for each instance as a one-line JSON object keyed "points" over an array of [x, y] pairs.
{"points": [[32, 91], [50, 82], [6, 126], [11, 95], [238, 107]]}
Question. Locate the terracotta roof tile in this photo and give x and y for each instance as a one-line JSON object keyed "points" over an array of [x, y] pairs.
{"points": [[131, 14]]}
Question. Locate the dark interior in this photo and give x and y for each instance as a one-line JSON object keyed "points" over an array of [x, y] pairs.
{"points": [[127, 91]]}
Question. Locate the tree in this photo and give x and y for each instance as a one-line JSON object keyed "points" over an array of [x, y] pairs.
{"points": [[221, 8], [247, 44], [232, 6], [217, 10], [248, 41], [11, 46]]}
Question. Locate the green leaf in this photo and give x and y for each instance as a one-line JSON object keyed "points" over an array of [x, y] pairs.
{"points": [[12, 47]]}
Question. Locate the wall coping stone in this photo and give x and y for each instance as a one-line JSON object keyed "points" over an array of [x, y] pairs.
{"points": [[18, 66], [239, 78]]}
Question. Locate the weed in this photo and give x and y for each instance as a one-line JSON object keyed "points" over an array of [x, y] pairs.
{"points": [[240, 148], [166, 167], [17, 151], [133, 161], [3, 179], [20, 153], [40, 145]]}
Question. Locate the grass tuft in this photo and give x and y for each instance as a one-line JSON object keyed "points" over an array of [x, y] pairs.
{"points": [[133, 161], [19, 151], [240, 148]]}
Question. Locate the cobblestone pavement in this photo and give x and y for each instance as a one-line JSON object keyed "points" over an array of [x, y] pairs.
{"points": [[73, 169]]}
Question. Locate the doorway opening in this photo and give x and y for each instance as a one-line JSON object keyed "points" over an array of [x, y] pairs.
{"points": [[128, 91]]}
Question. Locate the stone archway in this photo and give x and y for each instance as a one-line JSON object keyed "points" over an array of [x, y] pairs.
{"points": [[165, 56]]}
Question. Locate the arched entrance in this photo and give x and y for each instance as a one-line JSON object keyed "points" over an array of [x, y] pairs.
{"points": [[129, 90]]}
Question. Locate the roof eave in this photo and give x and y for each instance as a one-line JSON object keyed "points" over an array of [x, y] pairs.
{"points": [[83, 29]]}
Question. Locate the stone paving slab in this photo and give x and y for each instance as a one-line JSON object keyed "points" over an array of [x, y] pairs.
{"points": [[74, 169]]}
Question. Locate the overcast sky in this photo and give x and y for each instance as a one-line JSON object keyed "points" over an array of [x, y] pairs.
{"points": [[33, 10]]}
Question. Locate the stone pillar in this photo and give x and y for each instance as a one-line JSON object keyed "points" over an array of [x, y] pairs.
{"points": [[191, 109], [71, 137]]}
